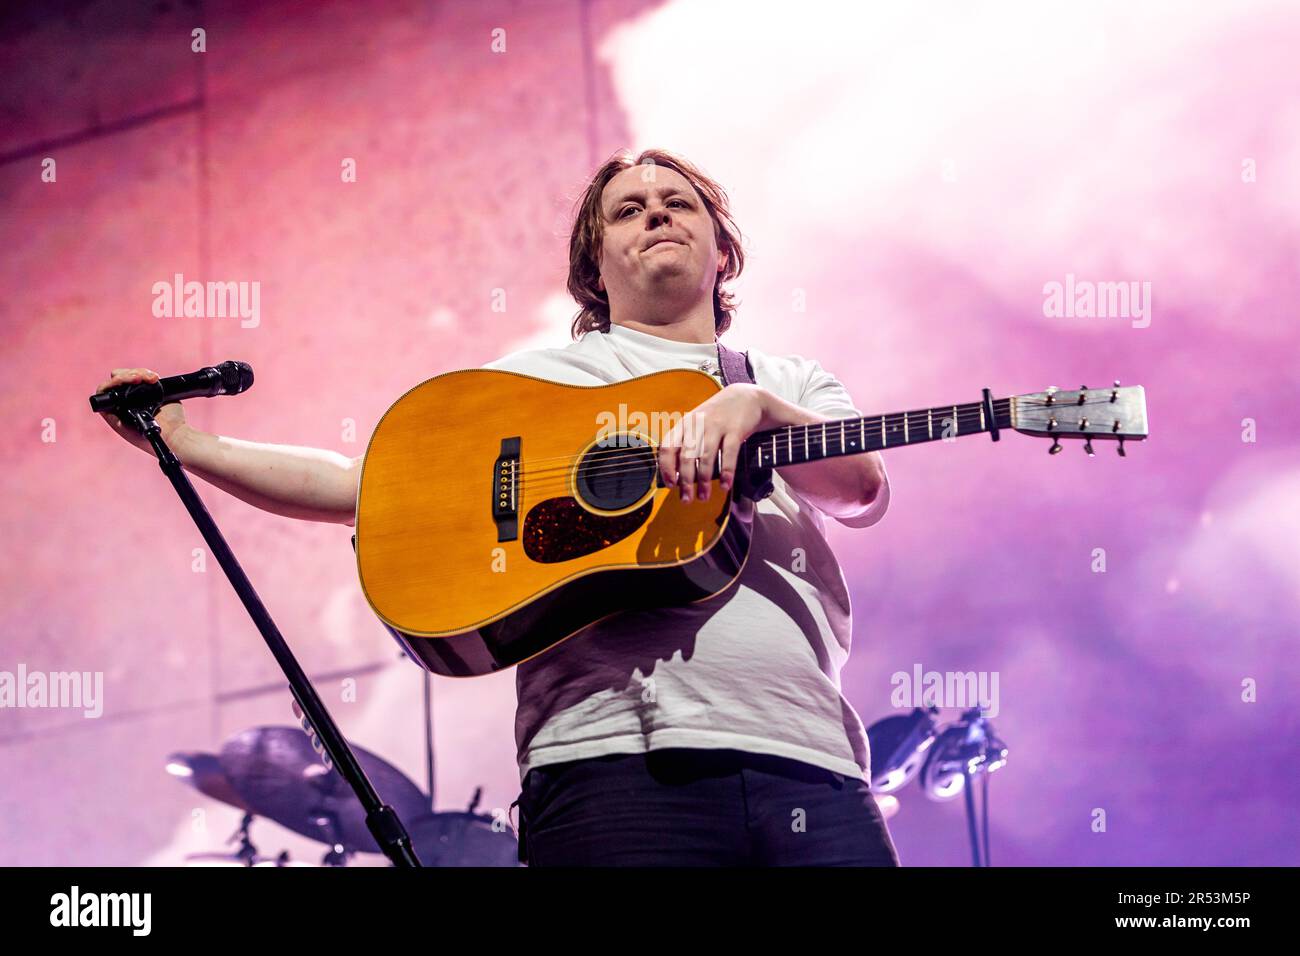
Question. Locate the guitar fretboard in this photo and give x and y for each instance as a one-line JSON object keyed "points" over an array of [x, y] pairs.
{"points": [[794, 444]]}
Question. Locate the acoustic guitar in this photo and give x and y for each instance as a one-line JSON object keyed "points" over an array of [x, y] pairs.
{"points": [[499, 514]]}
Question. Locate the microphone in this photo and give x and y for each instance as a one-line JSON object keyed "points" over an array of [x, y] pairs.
{"points": [[228, 378]]}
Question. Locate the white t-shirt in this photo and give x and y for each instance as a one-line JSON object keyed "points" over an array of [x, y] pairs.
{"points": [[755, 668]]}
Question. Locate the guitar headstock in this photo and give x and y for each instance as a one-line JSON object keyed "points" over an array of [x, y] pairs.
{"points": [[1087, 413]]}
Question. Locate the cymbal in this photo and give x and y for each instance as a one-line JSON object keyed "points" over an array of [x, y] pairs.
{"points": [[899, 746], [462, 839], [203, 772], [280, 777]]}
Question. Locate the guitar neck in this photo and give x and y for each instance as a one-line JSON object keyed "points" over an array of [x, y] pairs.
{"points": [[796, 444]]}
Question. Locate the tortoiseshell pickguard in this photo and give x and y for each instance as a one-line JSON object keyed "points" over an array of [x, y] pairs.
{"points": [[560, 529]]}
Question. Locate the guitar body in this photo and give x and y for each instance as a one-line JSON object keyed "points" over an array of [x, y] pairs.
{"points": [[499, 514]]}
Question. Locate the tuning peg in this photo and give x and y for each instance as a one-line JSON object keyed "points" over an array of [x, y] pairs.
{"points": [[1087, 446], [1114, 396], [1056, 446], [1122, 452]]}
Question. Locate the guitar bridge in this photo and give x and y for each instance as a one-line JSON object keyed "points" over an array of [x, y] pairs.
{"points": [[505, 490]]}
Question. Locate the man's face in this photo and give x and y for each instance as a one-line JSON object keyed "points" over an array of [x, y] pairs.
{"points": [[659, 241]]}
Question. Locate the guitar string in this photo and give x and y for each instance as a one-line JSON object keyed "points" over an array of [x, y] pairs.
{"points": [[891, 420], [563, 477], [610, 460], [784, 439], [634, 462], [966, 415]]}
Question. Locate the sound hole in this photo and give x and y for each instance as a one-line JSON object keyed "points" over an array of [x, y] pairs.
{"points": [[616, 472]]}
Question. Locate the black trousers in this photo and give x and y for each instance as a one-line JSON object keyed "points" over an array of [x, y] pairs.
{"points": [[690, 807]]}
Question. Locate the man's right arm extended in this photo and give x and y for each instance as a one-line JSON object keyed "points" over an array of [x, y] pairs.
{"points": [[311, 484]]}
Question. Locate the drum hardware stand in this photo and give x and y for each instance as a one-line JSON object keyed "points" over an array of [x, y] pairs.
{"points": [[966, 748], [384, 825], [337, 854], [247, 852]]}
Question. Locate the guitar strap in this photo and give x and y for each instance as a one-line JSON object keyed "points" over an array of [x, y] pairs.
{"points": [[752, 483]]}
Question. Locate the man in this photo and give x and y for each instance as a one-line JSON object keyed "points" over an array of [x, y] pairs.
{"points": [[710, 734]]}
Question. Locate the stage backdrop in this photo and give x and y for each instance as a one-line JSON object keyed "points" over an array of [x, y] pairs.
{"points": [[935, 198]]}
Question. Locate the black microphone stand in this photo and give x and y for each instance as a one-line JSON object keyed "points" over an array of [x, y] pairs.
{"points": [[428, 736], [384, 824]]}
